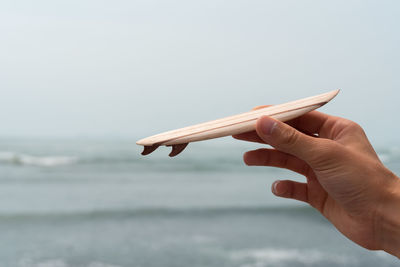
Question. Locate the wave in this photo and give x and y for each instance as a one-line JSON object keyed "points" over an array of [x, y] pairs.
{"points": [[293, 210], [43, 161], [26, 262], [114, 158], [268, 256], [199, 161]]}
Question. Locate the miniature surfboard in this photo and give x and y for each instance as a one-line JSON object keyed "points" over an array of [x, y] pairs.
{"points": [[232, 125]]}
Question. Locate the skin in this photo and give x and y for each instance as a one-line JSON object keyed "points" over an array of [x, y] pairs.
{"points": [[345, 180]]}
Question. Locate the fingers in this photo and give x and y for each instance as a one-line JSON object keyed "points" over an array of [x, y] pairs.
{"points": [[311, 122], [290, 189], [289, 140], [249, 136], [275, 158], [260, 107], [253, 137]]}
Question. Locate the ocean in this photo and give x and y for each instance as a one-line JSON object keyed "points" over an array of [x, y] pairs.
{"points": [[99, 203]]}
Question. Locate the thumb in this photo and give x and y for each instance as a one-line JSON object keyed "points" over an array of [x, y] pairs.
{"points": [[287, 139]]}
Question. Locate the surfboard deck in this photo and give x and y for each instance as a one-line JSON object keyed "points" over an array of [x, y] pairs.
{"points": [[232, 125]]}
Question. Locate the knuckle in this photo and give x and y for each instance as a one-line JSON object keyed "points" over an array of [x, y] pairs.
{"points": [[352, 125], [291, 138], [266, 159], [306, 170], [263, 157], [355, 129]]}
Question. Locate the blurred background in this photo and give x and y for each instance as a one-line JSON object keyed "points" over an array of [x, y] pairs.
{"points": [[81, 81]]}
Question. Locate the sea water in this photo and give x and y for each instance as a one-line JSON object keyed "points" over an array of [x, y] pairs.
{"points": [[98, 203]]}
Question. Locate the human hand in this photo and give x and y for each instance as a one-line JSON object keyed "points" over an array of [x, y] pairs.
{"points": [[346, 181]]}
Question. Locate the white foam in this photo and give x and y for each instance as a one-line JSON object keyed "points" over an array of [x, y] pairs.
{"points": [[45, 263], [101, 264], [43, 161], [267, 256], [59, 263]]}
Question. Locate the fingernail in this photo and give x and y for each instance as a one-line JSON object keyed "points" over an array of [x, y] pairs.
{"points": [[267, 125], [274, 187]]}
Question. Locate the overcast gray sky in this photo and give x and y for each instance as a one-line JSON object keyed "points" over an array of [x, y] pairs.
{"points": [[134, 68]]}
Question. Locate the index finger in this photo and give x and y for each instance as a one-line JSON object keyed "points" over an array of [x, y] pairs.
{"points": [[310, 123]]}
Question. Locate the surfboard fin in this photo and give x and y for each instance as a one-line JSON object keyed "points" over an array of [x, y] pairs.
{"points": [[148, 149], [176, 149]]}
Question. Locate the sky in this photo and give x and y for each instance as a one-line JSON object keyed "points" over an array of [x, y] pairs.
{"points": [[135, 68]]}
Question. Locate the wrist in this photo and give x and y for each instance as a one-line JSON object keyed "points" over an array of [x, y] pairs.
{"points": [[388, 218]]}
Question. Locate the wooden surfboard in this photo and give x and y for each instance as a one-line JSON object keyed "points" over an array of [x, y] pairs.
{"points": [[232, 125]]}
